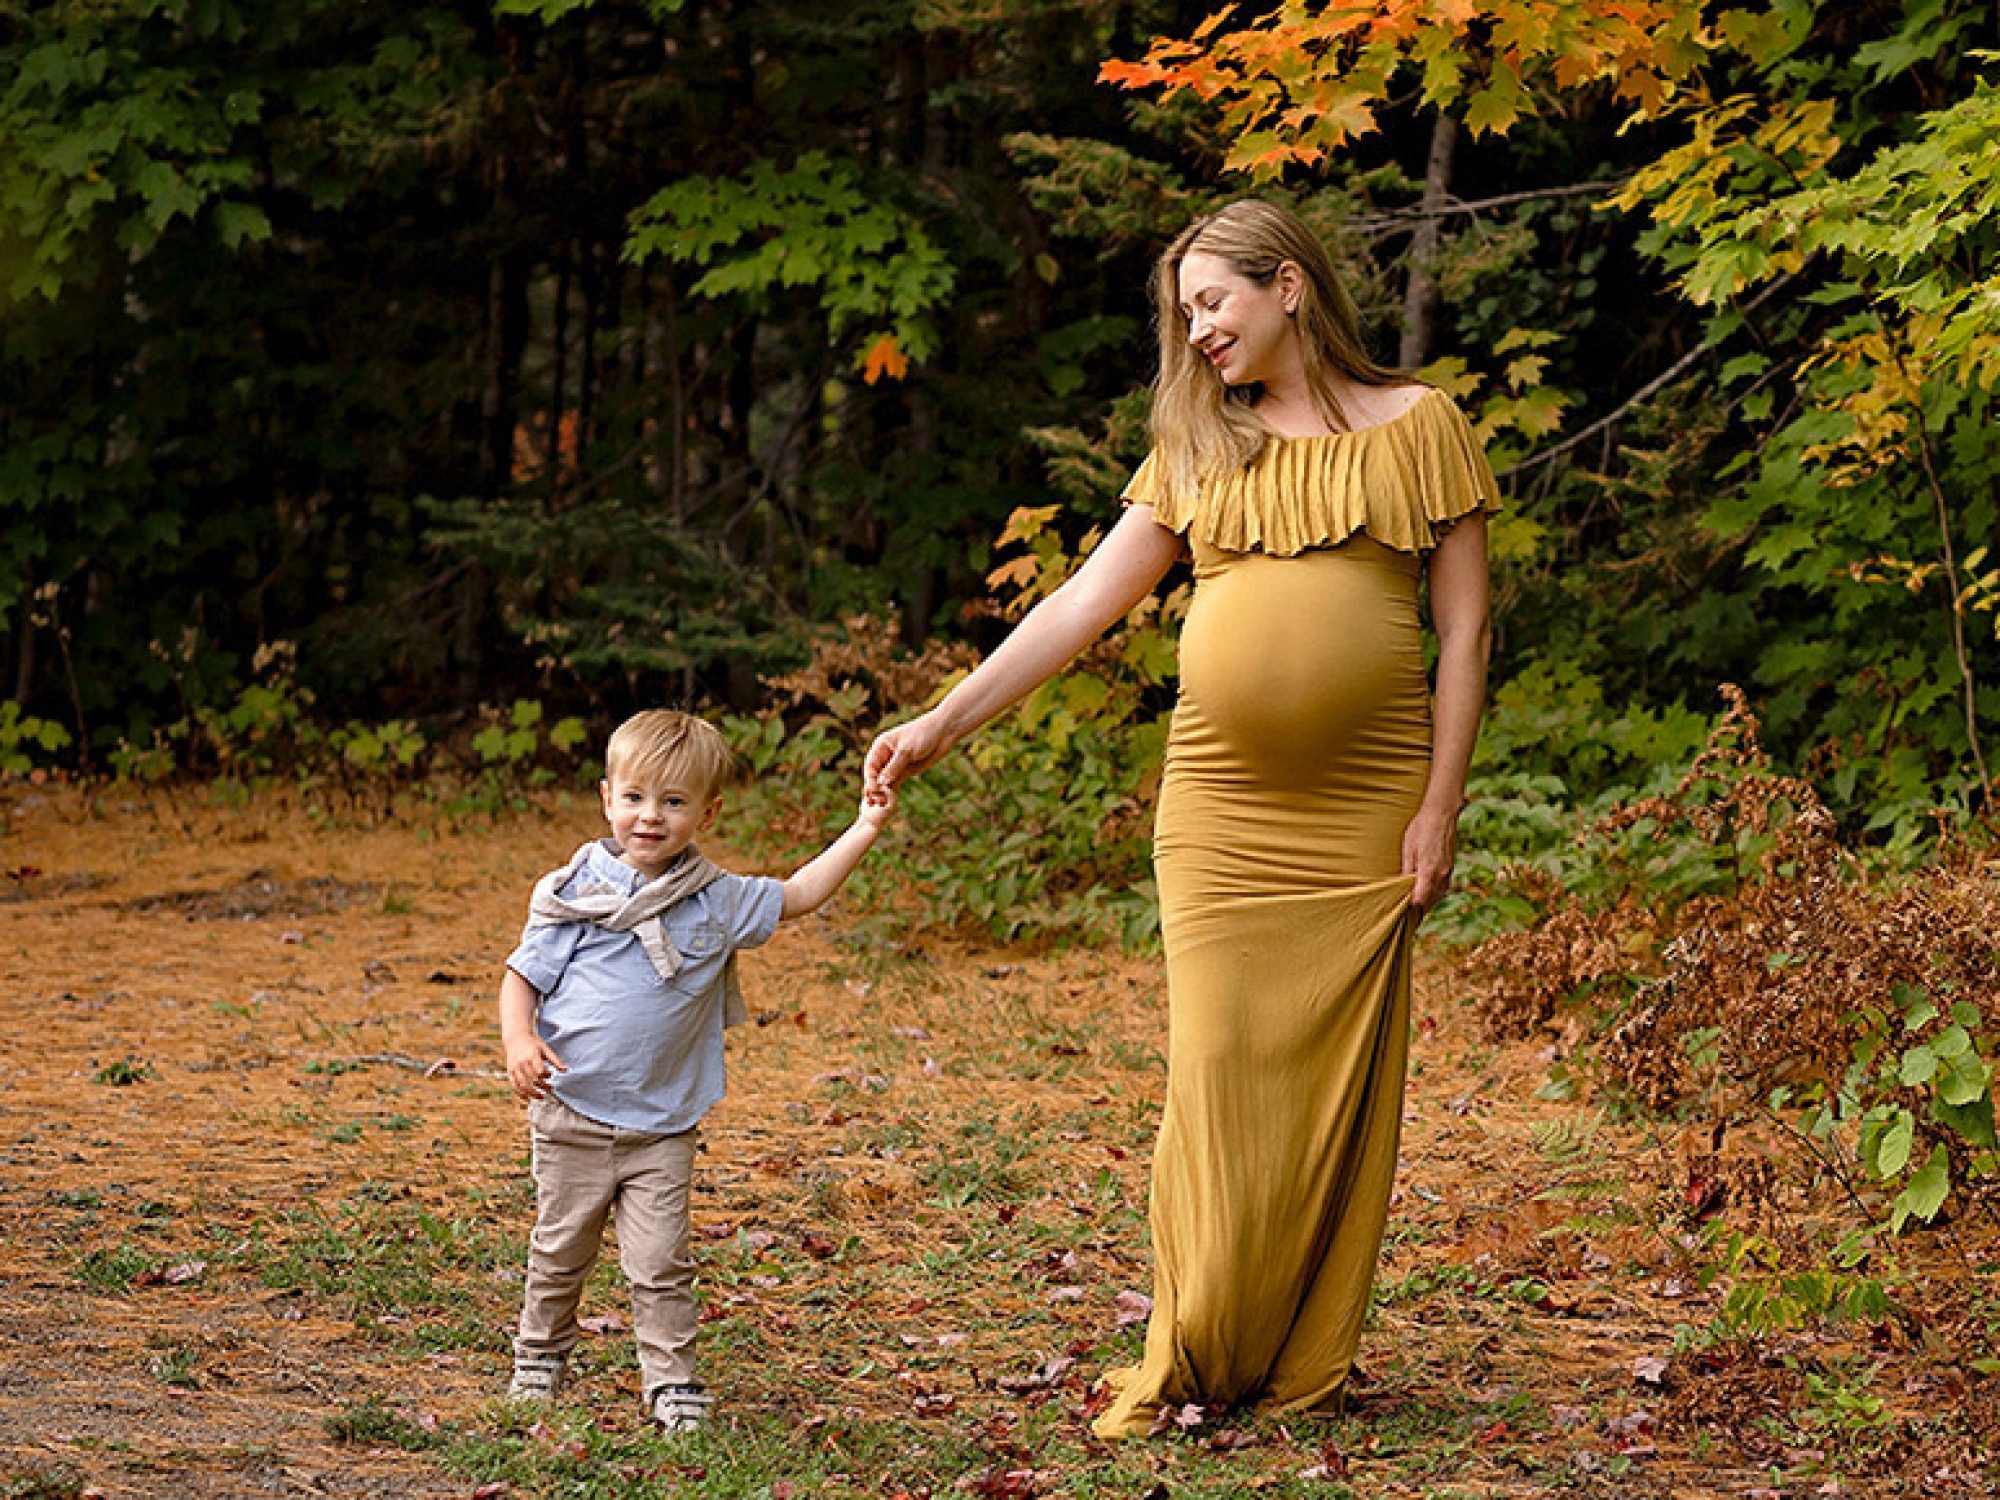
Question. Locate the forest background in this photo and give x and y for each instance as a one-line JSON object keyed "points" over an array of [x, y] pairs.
{"points": [[392, 397]]}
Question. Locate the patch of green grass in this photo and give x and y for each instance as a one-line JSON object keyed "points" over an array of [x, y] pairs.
{"points": [[60, 1482], [114, 1270], [123, 1073], [373, 1423], [378, 1259], [333, 1067], [175, 1365]]}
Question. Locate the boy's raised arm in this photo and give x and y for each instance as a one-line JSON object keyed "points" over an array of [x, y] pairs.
{"points": [[811, 885]]}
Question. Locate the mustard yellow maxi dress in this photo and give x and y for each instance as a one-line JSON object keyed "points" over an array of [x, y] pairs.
{"points": [[1300, 750]]}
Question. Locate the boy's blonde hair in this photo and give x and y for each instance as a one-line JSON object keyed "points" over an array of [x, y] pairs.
{"points": [[662, 744]]}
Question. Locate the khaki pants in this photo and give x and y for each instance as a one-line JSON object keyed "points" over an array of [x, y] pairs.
{"points": [[582, 1169]]}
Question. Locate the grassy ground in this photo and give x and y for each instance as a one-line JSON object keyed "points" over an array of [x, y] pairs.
{"points": [[264, 1204]]}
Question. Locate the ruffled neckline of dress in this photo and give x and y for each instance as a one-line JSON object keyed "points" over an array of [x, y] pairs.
{"points": [[1403, 482]]}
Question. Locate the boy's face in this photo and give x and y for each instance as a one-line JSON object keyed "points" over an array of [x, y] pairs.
{"points": [[654, 818]]}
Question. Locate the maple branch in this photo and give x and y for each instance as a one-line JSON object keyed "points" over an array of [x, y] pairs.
{"points": [[1968, 683], [1392, 217], [1645, 392]]}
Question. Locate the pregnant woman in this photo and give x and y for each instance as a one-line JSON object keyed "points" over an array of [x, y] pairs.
{"points": [[1308, 810]]}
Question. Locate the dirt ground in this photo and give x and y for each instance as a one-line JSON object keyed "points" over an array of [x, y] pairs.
{"points": [[237, 1028]]}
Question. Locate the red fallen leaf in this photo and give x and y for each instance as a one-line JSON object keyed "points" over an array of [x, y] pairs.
{"points": [[936, 1404], [1002, 1484], [1190, 1416], [799, 1020], [604, 1323], [1651, 1369], [720, 1231], [187, 1270], [818, 1246], [492, 1491], [1494, 1433], [1705, 1197], [1332, 1465], [1230, 1442], [782, 1490], [1006, 1213], [1116, 1153], [25, 872]]}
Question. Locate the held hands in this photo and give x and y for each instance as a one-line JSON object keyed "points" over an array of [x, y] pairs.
{"points": [[1430, 848], [529, 1064], [900, 753]]}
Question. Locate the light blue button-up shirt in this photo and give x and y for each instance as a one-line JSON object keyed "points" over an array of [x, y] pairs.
{"points": [[644, 1053]]}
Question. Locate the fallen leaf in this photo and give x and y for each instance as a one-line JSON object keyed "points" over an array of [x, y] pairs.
{"points": [[1131, 1307], [603, 1323], [1651, 1369], [818, 1246]]}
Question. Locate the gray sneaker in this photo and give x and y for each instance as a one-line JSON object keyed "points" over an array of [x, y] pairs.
{"points": [[537, 1377], [679, 1408]]}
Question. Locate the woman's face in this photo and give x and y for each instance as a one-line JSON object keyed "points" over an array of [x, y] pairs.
{"points": [[1243, 327]]}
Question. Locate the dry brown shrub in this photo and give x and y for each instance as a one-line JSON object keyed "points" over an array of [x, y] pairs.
{"points": [[867, 654], [1518, 980], [1785, 969], [1788, 972]]}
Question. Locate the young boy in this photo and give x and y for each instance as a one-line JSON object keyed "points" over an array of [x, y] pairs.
{"points": [[611, 1013]]}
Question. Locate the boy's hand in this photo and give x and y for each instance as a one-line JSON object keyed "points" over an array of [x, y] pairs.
{"points": [[529, 1064], [878, 803]]}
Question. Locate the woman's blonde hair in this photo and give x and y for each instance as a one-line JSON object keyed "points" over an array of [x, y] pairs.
{"points": [[1202, 426]]}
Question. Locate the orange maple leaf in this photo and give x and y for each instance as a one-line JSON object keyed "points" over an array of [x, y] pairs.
{"points": [[884, 357], [1130, 75]]}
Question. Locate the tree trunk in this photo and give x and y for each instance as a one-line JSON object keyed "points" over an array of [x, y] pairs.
{"points": [[1420, 294], [506, 337]]}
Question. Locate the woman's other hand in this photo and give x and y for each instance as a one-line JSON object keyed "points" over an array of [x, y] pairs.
{"points": [[1430, 849]]}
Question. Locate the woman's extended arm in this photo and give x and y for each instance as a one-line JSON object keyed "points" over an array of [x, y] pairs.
{"points": [[1459, 614], [1126, 566]]}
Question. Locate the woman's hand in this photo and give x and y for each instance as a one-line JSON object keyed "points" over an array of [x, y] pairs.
{"points": [[900, 753], [1430, 849]]}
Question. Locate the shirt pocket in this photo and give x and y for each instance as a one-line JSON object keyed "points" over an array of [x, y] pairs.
{"points": [[698, 940]]}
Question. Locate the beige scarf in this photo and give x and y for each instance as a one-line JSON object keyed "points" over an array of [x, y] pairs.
{"points": [[643, 913]]}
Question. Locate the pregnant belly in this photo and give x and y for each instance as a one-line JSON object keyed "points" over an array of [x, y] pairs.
{"points": [[1305, 671]]}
